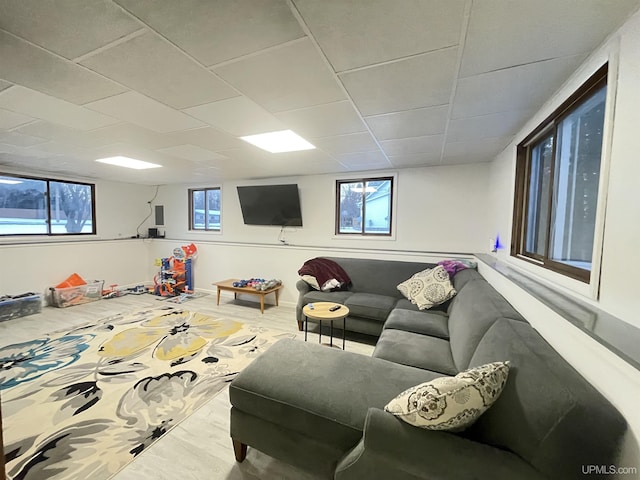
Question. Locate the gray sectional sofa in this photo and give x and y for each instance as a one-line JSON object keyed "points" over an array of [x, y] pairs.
{"points": [[322, 409], [372, 295]]}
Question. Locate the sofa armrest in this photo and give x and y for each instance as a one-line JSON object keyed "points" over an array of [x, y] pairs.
{"points": [[303, 287], [412, 452]]}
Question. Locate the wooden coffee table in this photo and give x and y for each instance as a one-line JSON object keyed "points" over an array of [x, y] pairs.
{"points": [[321, 312], [228, 285]]}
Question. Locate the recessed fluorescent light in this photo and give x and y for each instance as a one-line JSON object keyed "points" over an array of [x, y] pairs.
{"points": [[278, 142], [10, 182], [128, 163]]}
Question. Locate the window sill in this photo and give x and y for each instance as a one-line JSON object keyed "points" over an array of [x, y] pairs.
{"points": [[616, 335]]}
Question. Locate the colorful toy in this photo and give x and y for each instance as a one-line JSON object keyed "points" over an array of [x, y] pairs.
{"points": [[258, 283], [176, 272]]}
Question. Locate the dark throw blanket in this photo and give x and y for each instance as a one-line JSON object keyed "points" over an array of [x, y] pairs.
{"points": [[324, 270]]}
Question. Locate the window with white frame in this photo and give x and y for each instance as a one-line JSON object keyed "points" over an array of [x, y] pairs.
{"points": [[204, 209], [364, 206], [42, 206]]}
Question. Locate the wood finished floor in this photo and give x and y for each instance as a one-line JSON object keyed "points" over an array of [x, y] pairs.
{"points": [[200, 446]]}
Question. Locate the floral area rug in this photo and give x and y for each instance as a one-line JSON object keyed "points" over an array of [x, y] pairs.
{"points": [[83, 403]]}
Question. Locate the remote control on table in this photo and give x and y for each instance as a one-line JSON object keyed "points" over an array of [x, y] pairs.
{"points": [[334, 308]]}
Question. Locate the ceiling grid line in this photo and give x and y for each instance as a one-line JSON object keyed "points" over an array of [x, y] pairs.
{"points": [[110, 45], [464, 30], [317, 46], [374, 85]]}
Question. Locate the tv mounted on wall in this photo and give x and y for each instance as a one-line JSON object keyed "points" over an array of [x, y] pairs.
{"points": [[271, 205]]}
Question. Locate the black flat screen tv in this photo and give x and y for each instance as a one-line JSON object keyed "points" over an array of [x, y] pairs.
{"points": [[271, 205]]}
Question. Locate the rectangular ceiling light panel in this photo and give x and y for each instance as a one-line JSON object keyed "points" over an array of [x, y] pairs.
{"points": [[128, 163], [279, 142]]}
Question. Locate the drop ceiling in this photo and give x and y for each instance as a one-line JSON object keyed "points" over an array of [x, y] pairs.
{"points": [[375, 84]]}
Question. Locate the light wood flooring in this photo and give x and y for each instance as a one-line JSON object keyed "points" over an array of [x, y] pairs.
{"points": [[200, 446]]}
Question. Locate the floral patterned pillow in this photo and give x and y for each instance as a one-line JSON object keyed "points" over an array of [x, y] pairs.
{"points": [[428, 288], [451, 403]]}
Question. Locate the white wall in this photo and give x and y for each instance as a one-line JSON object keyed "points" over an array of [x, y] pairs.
{"points": [[439, 210], [221, 260], [35, 267], [618, 294], [35, 263], [620, 258]]}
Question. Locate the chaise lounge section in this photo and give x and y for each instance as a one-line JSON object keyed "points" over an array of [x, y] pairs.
{"points": [[323, 409]]}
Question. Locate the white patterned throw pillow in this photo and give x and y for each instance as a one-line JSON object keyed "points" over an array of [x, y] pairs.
{"points": [[428, 288], [451, 403]]}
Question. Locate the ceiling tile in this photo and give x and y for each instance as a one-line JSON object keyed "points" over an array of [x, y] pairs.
{"points": [[489, 48], [427, 144], [9, 119], [363, 160], [19, 139], [61, 134], [483, 126], [421, 81], [355, 34], [415, 159], [38, 105], [4, 85], [218, 30], [483, 150], [70, 28], [140, 110], [516, 88], [35, 68], [410, 123], [64, 150], [206, 137], [352, 143], [238, 116], [131, 134], [326, 120], [152, 66], [192, 152], [284, 78]]}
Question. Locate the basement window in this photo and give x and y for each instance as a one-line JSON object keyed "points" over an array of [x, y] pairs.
{"points": [[557, 180], [364, 206], [204, 209], [40, 206]]}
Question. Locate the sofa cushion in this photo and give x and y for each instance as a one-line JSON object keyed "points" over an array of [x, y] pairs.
{"points": [[451, 403], [461, 278], [378, 276], [370, 305], [428, 288], [318, 296], [320, 392], [415, 350], [551, 404], [430, 323], [405, 304], [472, 312]]}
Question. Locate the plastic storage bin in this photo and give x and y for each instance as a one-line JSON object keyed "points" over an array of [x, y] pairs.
{"points": [[19, 305], [67, 297]]}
